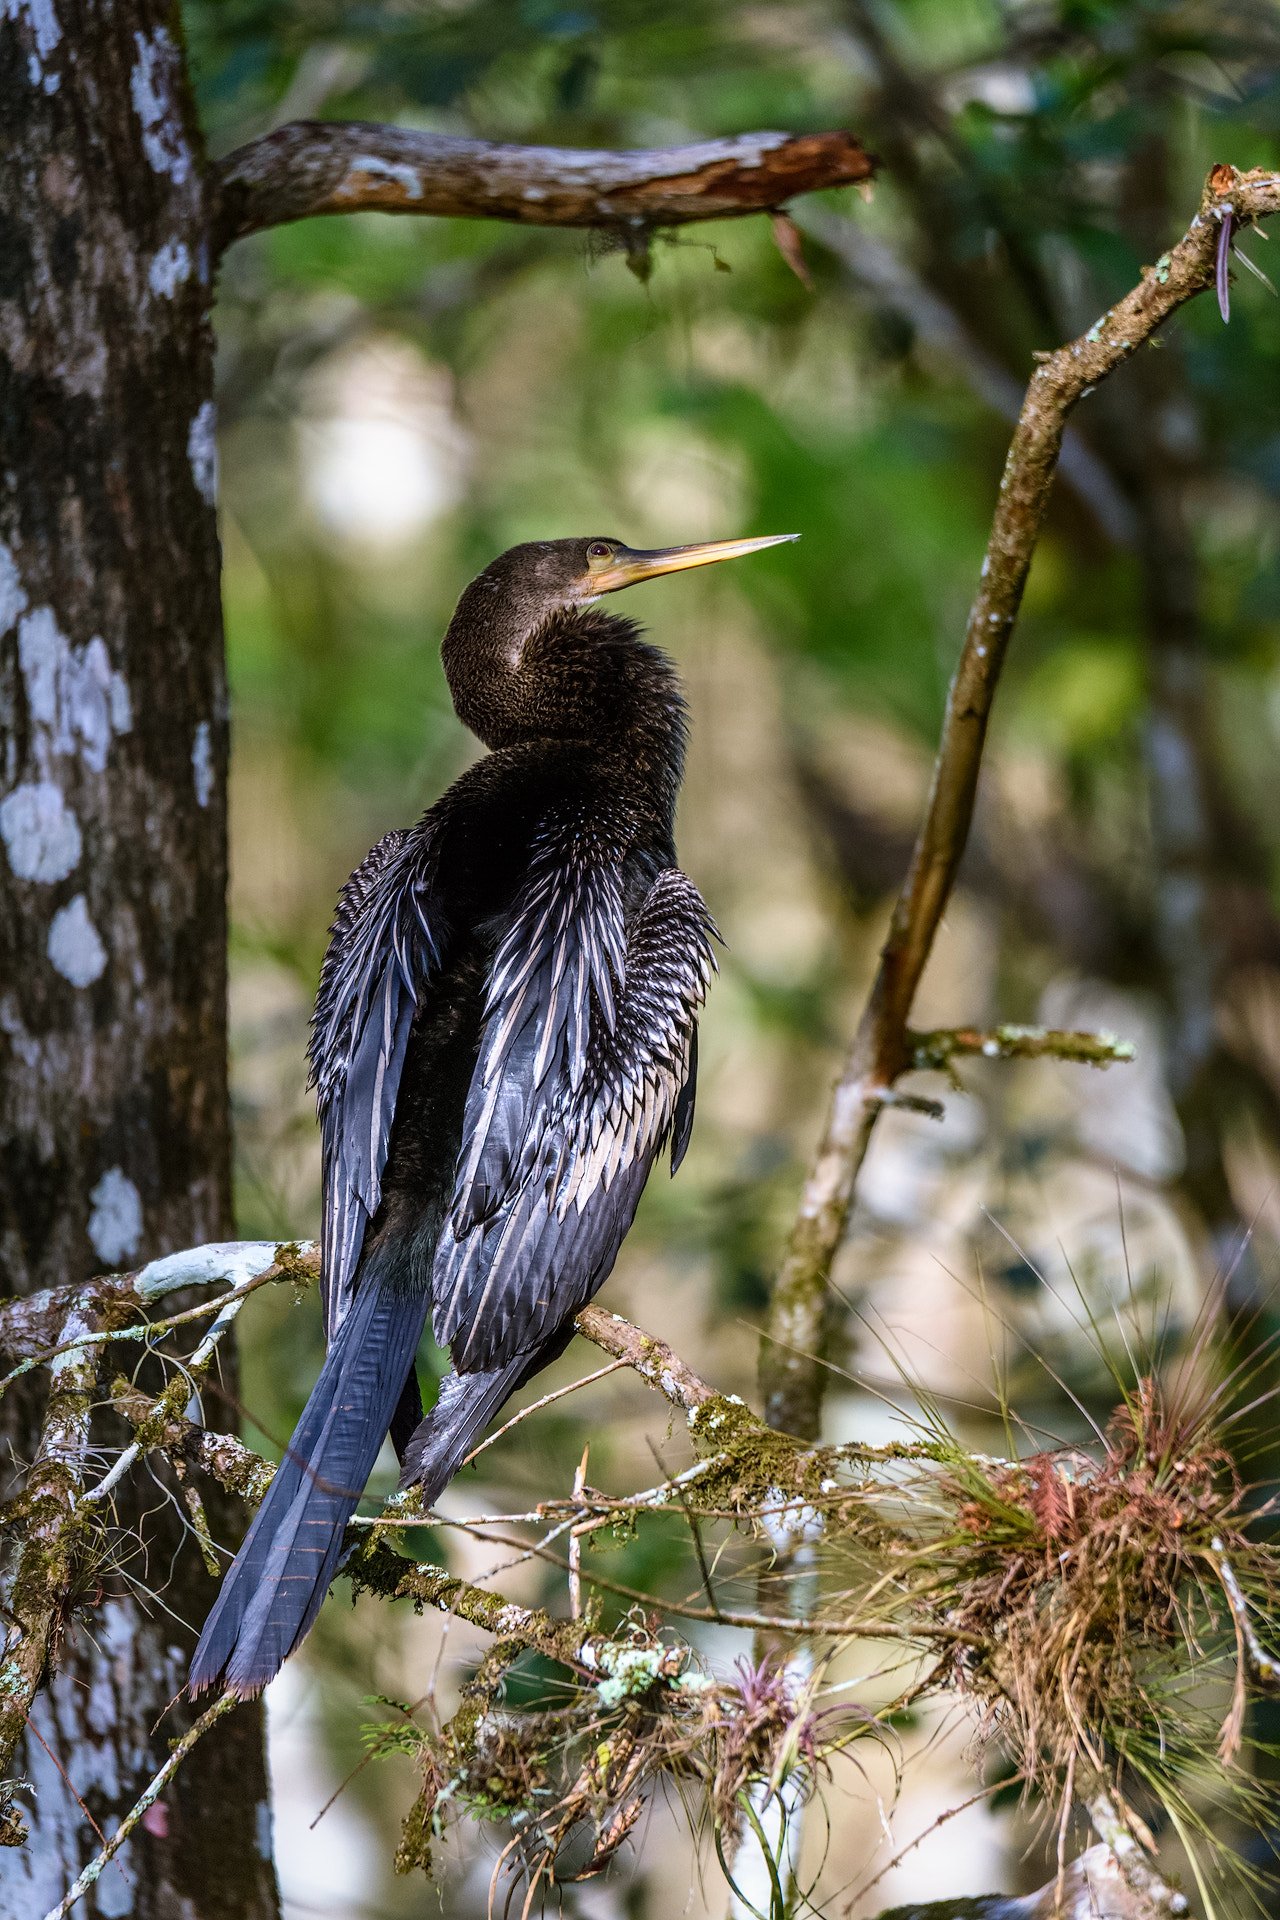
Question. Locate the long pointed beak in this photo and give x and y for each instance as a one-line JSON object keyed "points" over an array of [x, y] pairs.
{"points": [[629, 568]]}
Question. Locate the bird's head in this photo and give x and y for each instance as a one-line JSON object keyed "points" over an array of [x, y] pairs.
{"points": [[524, 656]]}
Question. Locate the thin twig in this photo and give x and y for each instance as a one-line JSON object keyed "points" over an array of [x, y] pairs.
{"points": [[984, 1793], [857, 1628], [575, 1543], [691, 1520], [537, 1406]]}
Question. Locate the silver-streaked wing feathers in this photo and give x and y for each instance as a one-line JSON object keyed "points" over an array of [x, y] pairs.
{"points": [[388, 937], [584, 1070]]}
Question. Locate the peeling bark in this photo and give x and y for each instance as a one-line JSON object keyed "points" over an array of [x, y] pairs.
{"points": [[113, 729], [351, 166]]}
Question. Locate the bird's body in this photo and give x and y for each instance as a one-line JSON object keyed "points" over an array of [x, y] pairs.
{"points": [[504, 1040]]}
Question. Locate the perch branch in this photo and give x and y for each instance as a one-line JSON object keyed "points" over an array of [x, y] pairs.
{"points": [[790, 1374], [650, 1357], [312, 167]]}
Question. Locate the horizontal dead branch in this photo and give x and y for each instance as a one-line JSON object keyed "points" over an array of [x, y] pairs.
{"points": [[312, 167]]}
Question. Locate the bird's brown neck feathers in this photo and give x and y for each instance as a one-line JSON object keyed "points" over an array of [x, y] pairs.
{"points": [[577, 675]]}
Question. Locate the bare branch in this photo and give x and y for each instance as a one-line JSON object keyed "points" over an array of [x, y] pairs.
{"points": [[313, 167], [790, 1373]]}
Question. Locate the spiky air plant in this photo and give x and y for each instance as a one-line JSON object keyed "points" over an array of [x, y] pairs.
{"points": [[1097, 1607], [572, 1782]]}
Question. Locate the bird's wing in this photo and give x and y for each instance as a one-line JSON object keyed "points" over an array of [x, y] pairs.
{"points": [[584, 1071], [387, 940]]}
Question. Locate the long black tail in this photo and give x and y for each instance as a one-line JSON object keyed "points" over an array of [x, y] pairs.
{"points": [[273, 1592]]}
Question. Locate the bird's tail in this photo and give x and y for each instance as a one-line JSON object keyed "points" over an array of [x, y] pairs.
{"points": [[273, 1592], [467, 1403]]}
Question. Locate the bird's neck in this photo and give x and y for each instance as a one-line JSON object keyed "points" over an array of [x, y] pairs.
{"points": [[581, 679]]}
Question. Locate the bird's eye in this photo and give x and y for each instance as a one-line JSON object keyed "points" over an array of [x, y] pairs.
{"points": [[599, 551]]}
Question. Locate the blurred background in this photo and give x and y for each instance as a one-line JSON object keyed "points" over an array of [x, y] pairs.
{"points": [[401, 399]]}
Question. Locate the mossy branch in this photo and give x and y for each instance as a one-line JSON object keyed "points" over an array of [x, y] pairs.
{"points": [[934, 1051], [190, 1448]]}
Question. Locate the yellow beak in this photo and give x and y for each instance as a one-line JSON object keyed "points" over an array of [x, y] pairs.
{"points": [[628, 568]]}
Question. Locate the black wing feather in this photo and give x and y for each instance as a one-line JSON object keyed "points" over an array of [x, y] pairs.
{"points": [[388, 940], [586, 1054]]}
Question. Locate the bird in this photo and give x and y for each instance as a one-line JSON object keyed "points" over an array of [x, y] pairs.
{"points": [[504, 1040]]}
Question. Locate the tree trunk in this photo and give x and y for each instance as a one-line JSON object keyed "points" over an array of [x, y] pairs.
{"points": [[114, 1127]]}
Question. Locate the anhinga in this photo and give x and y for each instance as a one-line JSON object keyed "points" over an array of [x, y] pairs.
{"points": [[503, 1041]]}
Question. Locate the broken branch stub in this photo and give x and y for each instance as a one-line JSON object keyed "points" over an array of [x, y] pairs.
{"points": [[313, 167]]}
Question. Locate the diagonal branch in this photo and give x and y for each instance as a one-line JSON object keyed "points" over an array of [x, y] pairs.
{"points": [[791, 1375], [313, 167]]}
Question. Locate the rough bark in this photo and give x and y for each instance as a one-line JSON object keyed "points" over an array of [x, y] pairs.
{"points": [[113, 1105], [313, 167]]}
